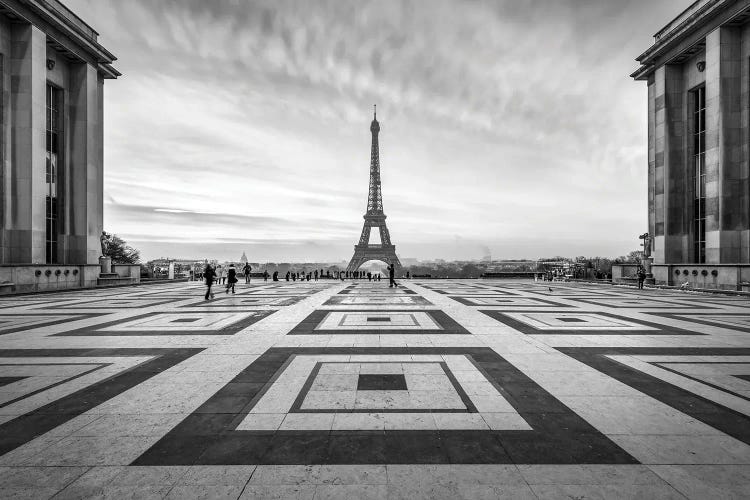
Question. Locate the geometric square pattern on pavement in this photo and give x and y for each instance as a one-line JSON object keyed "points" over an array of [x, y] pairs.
{"points": [[319, 392], [511, 424], [506, 301], [377, 322], [435, 389], [177, 323], [581, 323]]}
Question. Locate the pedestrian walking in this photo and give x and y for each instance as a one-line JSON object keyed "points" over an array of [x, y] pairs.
{"points": [[247, 270], [209, 275], [316, 275], [221, 275], [391, 274], [265, 275], [275, 276], [287, 275], [231, 278]]}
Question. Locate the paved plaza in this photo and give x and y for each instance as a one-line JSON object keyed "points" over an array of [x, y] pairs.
{"points": [[438, 389]]}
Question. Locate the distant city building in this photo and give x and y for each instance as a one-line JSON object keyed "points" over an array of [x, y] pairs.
{"points": [[52, 72], [243, 259], [698, 123]]}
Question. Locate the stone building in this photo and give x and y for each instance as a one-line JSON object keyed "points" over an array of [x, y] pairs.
{"points": [[52, 73], [698, 77]]}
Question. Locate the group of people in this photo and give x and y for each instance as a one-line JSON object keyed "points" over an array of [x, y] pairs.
{"points": [[222, 276], [228, 276]]}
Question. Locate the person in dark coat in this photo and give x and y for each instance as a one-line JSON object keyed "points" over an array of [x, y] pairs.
{"points": [[231, 278], [641, 277], [391, 275], [247, 270], [209, 274], [275, 276]]}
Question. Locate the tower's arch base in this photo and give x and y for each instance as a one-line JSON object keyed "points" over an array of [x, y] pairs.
{"points": [[383, 253]]}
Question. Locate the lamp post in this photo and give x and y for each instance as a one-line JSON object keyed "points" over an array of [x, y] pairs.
{"points": [[646, 244]]}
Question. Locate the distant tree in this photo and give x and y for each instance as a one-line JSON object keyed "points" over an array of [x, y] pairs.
{"points": [[122, 253], [470, 271], [635, 256]]}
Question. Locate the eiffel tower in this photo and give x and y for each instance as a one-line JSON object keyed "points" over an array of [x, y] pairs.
{"points": [[374, 218]]}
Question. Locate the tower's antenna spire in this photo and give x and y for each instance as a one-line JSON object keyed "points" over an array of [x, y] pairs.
{"points": [[375, 106]]}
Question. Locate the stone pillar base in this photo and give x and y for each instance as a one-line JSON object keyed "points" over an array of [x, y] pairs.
{"points": [[647, 266], [106, 264]]}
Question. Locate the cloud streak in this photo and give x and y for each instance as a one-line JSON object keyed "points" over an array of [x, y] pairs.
{"points": [[502, 121]]}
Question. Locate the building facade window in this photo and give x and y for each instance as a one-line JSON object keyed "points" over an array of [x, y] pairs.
{"points": [[54, 168], [699, 174]]}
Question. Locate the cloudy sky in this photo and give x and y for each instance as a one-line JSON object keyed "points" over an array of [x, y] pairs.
{"points": [[508, 126]]}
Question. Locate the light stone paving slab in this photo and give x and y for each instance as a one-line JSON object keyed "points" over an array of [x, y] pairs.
{"points": [[631, 387]]}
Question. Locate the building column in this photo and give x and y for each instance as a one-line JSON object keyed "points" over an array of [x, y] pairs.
{"points": [[726, 183], [86, 172], [27, 185], [678, 211], [651, 173], [657, 133]]}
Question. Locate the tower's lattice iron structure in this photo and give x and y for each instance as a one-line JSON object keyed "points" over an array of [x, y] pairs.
{"points": [[374, 217]]}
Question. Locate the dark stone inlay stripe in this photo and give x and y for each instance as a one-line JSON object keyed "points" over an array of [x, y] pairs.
{"points": [[558, 435], [717, 387], [709, 412], [640, 303], [55, 321], [96, 366], [9, 380], [708, 322], [381, 382], [24, 428], [530, 330]]}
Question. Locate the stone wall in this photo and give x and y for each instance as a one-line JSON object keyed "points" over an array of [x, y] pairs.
{"points": [[708, 276], [37, 278], [42, 277]]}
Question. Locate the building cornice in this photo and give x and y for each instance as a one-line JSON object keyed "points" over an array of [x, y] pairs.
{"points": [[65, 31], [687, 31]]}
